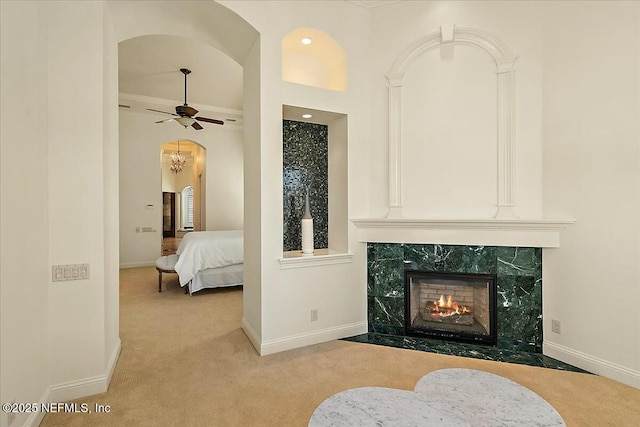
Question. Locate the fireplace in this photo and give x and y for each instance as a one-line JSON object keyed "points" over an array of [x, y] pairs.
{"points": [[451, 306], [518, 273]]}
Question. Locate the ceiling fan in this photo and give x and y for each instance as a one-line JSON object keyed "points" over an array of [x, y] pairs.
{"points": [[184, 113]]}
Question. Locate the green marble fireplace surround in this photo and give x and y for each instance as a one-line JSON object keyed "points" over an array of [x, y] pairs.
{"points": [[519, 285]]}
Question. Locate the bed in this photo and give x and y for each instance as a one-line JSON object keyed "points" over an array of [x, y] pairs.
{"points": [[210, 259]]}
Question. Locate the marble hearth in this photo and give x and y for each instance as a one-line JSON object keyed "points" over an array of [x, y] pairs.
{"points": [[518, 274]]}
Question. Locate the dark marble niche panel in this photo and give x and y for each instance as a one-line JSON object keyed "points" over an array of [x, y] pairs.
{"points": [[519, 283], [305, 166]]}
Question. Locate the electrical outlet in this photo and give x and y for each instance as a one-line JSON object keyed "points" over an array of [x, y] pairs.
{"points": [[11, 416], [556, 326], [314, 314]]}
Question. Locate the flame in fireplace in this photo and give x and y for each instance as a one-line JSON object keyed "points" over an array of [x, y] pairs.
{"points": [[448, 307]]}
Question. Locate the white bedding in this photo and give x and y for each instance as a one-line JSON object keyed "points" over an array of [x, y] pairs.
{"points": [[201, 250], [220, 277]]}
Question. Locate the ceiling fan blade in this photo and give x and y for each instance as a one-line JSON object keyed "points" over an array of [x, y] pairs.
{"points": [[165, 120], [204, 119], [158, 111], [196, 126]]}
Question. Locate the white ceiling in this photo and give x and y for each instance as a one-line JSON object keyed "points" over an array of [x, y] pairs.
{"points": [[149, 77]]}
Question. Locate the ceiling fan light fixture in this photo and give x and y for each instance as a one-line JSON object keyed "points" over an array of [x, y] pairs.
{"points": [[185, 121], [185, 115]]}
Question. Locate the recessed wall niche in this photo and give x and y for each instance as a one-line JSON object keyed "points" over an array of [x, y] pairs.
{"points": [[312, 57], [305, 170], [315, 157]]}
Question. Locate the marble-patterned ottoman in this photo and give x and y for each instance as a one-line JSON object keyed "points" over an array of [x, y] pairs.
{"points": [[447, 397]]}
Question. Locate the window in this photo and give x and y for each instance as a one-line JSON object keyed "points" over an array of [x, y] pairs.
{"points": [[186, 208]]}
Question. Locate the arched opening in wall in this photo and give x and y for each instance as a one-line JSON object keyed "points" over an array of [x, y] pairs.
{"points": [[150, 91], [312, 57], [200, 36], [182, 165]]}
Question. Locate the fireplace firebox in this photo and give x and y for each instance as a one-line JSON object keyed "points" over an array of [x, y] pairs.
{"points": [[451, 306]]}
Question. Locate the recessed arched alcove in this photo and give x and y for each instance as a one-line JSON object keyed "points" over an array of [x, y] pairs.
{"points": [[502, 62], [312, 57]]}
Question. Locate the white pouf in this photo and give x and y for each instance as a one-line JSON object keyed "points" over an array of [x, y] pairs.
{"points": [[165, 264]]}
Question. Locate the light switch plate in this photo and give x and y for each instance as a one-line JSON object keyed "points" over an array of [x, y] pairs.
{"points": [[63, 273]]}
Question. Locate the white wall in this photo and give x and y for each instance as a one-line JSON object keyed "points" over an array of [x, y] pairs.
{"points": [[252, 289], [79, 208], [286, 297], [24, 210], [110, 206], [141, 181], [59, 340], [591, 107]]}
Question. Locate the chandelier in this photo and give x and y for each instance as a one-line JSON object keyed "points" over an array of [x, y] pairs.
{"points": [[177, 161]]}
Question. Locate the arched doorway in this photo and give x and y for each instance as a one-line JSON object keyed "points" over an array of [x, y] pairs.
{"points": [[183, 187], [150, 91], [219, 27]]}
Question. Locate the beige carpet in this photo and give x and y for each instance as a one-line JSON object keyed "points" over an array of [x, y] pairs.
{"points": [[185, 361]]}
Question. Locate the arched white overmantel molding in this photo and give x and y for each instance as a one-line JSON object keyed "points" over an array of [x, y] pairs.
{"points": [[504, 61]]}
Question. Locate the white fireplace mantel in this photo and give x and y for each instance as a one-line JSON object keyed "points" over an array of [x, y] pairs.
{"points": [[538, 233]]}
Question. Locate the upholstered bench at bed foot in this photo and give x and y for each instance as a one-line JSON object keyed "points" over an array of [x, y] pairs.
{"points": [[165, 264]]}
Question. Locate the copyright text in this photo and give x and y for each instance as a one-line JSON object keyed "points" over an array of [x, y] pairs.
{"points": [[53, 407]]}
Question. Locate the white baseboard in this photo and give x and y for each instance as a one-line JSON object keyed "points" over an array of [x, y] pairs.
{"points": [[592, 364], [138, 264], [36, 418], [251, 334], [76, 389], [309, 338], [86, 386], [113, 361]]}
